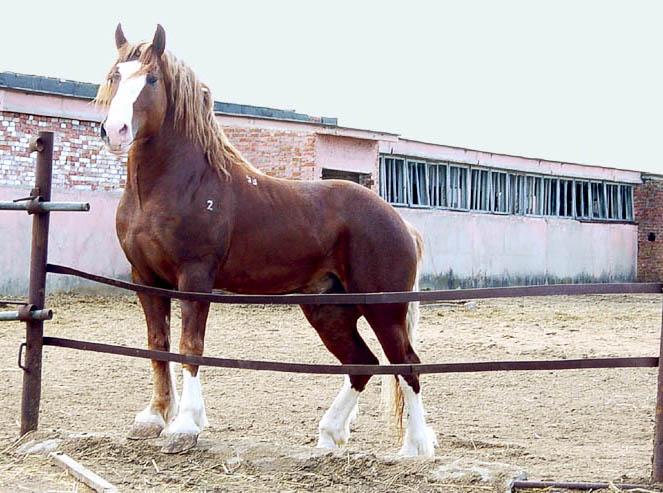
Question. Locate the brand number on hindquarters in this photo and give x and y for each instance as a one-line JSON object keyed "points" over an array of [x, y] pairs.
{"points": [[251, 180], [210, 203]]}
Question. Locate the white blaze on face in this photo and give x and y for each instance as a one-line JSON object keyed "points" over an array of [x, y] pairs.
{"points": [[118, 124]]}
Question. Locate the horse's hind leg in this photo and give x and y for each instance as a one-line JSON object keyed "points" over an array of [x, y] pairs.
{"points": [[337, 327], [390, 324]]}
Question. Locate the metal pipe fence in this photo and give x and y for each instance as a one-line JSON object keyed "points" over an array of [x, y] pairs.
{"points": [[34, 313]]}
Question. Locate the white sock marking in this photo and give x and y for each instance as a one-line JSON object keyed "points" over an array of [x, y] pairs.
{"points": [[191, 417], [150, 415], [335, 424], [419, 437]]}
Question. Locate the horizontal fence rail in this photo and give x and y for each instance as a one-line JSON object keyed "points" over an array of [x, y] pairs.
{"points": [[574, 485], [320, 369], [37, 207], [371, 298], [11, 316]]}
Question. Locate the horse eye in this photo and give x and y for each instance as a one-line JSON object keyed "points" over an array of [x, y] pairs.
{"points": [[151, 79]]}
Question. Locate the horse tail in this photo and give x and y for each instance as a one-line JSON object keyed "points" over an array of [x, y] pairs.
{"points": [[392, 395]]}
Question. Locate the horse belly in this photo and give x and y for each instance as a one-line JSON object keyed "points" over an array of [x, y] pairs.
{"points": [[274, 277]]}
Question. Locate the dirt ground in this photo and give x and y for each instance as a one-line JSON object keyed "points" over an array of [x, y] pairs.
{"points": [[584, 425]]}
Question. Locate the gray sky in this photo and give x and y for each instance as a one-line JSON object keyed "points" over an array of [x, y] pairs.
{"points": [[574, 80]]}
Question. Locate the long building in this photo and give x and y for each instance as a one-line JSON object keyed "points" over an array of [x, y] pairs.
{"points": [[487, 219]]}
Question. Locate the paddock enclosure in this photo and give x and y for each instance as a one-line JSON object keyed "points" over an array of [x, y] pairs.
{"points": [[574, 425], [597, 345]]}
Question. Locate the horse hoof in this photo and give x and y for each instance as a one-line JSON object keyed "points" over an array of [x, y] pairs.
{"points": [[179, 442], [144, 431], [421, 444]]}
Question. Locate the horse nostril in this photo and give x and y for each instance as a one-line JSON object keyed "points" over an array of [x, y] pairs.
{"points": [[124, 129]]}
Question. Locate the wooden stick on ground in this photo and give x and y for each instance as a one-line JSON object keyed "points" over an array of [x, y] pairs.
{"points": [[97, 483]]}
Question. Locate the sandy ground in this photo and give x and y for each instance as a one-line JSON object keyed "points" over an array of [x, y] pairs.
{"points": [[583, 425]]}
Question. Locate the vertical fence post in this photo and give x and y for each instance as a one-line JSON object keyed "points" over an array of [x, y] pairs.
{"points": [[657, 459], [37, 288]]}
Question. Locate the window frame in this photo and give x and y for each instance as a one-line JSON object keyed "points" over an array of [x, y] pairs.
{"points": [[492, 196], [386, 195], [410, 189], [455, 191], [464, 192], [442, 204]]}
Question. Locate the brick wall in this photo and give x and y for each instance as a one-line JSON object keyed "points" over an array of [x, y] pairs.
{"points": [[82, 163], [282, 153], [648, 204]]}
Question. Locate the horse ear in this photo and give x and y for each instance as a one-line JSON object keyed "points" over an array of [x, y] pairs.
{"points": [[159, 41], [120, 40]]}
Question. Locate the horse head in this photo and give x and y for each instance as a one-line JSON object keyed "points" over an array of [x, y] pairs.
{"points": [[135, 92]]}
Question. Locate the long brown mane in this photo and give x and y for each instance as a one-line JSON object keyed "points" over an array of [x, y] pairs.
{"points": [[191, 101]]}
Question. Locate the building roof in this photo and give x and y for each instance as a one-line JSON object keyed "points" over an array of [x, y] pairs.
{"points": [[389, 142], [87, 90]]}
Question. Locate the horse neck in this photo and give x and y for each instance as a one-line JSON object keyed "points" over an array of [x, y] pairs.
{"points": [[168, 159]]}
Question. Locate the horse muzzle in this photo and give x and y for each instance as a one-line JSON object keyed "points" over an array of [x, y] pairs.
{"points": [[117, 137]]}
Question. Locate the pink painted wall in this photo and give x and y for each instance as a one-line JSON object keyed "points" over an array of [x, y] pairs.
{"points": [[480, 250], [346, 154], [85, 240]]}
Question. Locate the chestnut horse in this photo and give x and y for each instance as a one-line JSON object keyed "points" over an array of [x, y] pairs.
{"points": [[195, 216]]}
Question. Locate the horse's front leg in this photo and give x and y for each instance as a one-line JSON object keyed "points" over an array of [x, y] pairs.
{"points": [[183, 431], [163, 406]]}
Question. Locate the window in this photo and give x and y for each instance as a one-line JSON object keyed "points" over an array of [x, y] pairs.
{"points": [[364, 179], [417, 183], [392, 180], [533, 191], [437, 185], [550, 196], [598, 200], [480, 190], [612, 201], [582, 199], [457, 187], [619, 201], [626, 202], [498, 192], [566, 198], [517, 194]]}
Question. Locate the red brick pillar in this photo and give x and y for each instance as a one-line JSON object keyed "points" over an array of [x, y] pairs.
{"points": [[648, 208]]}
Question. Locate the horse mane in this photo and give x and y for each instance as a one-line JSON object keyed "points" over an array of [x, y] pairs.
{"points": [[192, 103]]}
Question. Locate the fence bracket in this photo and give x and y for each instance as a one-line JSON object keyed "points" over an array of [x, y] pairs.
{"points": [[20, 356]]}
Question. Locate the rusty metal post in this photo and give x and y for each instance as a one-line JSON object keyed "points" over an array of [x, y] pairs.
{"points": [[37, 289], [657, 459]]}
